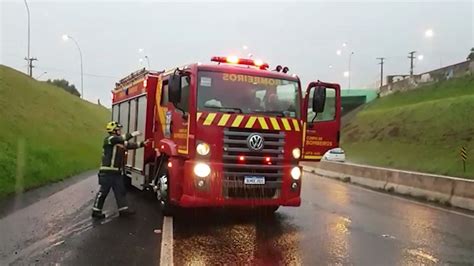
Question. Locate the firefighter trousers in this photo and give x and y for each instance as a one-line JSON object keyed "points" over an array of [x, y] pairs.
{"points": [[109, 181]]}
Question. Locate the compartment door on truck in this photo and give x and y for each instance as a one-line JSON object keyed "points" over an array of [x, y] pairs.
{"points": [[323, 129]]}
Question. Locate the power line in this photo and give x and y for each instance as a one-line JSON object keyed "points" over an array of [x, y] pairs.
{"points": [[52, 69]]}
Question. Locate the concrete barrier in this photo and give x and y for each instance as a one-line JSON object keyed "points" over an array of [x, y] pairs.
{"points": [[443, 189]]}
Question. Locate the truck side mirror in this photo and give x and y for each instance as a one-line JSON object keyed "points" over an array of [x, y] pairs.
{"points": [[319, 99], [174, 86]]}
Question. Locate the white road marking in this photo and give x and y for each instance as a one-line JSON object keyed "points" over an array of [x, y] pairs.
{"points": [[401, 198], [166, 255]]}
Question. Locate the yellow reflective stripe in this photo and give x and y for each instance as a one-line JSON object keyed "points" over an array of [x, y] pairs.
{"points": [[275, 124], [210, 117], [313, 157], [263, 123], [296, 124], [286, 125], [238, 119], [251, 122], [198, 116], [224, 119], [304, 136]]}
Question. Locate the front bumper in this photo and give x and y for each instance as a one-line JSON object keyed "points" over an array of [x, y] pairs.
{"points": [[214, 192]]}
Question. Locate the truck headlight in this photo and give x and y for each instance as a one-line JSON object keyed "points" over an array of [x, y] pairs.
{"points": [[202, 169], [296, 153], [203, 149], [296, 173]]}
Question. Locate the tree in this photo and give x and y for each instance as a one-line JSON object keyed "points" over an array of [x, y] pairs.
{"points": [[470, 57], [64, 84]]}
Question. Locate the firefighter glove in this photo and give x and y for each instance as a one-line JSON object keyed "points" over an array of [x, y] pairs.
{"points": [[136, 133]]}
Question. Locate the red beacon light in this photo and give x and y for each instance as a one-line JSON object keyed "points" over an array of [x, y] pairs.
{"points": [[240, 61]]}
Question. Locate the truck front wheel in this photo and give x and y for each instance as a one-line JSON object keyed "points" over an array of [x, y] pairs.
{"points": [[163, 194]]}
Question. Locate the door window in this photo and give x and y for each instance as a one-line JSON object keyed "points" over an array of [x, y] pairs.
{"points": [[329, 113]]}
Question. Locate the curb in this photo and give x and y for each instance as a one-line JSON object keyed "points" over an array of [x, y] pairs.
{"points": [[445, 190]]}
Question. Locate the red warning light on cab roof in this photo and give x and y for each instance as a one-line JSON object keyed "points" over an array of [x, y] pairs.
{"points": [[240, 61]]}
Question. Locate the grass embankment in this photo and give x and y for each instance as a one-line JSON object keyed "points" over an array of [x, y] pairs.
{"points": [[46, 134], [420, 130]]}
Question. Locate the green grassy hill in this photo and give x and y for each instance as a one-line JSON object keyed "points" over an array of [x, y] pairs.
{"points": [[420, 130], [46, 134]]}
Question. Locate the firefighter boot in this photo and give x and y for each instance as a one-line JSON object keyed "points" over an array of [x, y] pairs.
{"points": [[126, 212], [98, 215]]}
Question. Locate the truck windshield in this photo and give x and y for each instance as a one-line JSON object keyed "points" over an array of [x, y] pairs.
{"points": [[242, 93]]}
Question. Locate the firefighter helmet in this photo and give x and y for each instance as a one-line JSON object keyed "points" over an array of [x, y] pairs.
{"points": [[112, 126]]}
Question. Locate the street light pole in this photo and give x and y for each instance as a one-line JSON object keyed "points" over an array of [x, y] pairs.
{"points": [[67, 37], [349, 69], [147, 61], [28, 52]]}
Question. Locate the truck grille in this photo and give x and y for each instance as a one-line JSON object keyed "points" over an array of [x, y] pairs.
{"points": [[254, 164]]}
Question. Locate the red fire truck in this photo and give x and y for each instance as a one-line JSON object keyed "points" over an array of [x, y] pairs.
{"points": [[228, 133]]}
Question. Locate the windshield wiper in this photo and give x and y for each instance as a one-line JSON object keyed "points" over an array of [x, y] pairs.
{"points": [[277, 113], [225, 108]]}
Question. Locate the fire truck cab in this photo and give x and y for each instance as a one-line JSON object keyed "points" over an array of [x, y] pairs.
{"points": [[230, 133]]}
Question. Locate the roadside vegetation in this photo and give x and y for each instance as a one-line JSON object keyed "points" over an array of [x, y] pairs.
{"points": [[46, 133], [420, 130]]}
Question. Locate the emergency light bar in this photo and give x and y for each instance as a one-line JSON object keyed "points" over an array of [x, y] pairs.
{"points": [[240, 61]]}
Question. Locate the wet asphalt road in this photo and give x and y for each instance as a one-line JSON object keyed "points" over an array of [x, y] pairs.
{"points": [[337, 224], [52, 226]]}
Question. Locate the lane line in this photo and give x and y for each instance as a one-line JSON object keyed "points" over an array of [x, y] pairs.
{"points": [[166, 255], [400, 197]]}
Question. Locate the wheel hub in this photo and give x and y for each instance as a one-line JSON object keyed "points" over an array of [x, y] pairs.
{"points": [[162, 191]]}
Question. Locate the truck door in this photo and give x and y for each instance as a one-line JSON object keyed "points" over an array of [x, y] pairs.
{"points": [[172, 120], [322, 130], [180, 118]]}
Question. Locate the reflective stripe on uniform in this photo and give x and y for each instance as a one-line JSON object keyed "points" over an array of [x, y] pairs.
{"points": [[96, 209], [123, 208], [114, 151], [108, 168]]}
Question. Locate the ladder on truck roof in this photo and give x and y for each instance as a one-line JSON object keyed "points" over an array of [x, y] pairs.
{"points": [[134, 76]]}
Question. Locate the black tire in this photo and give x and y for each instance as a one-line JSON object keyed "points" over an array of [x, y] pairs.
{"points": [[269, 210], [167, 208]]}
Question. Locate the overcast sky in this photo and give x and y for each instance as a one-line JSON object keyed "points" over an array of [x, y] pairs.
{"points": [[303, 36]]}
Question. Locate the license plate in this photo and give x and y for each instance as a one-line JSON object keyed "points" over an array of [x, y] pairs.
{"points": [[254, 180]]}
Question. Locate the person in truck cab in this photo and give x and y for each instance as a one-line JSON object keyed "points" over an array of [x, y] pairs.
{"points": [[111, 170]]}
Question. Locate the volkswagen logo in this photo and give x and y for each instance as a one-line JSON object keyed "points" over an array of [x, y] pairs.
{"points": [[255, 142]]}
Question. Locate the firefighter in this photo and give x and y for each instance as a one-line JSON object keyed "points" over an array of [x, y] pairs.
{"points": [[111, 170]]}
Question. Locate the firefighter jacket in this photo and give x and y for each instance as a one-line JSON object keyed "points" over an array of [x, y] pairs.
{"points": [[113, 153]]}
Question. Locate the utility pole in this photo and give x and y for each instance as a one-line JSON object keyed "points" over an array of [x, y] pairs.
{"points": [[412, 58], [381, 70], [30, 65]]}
